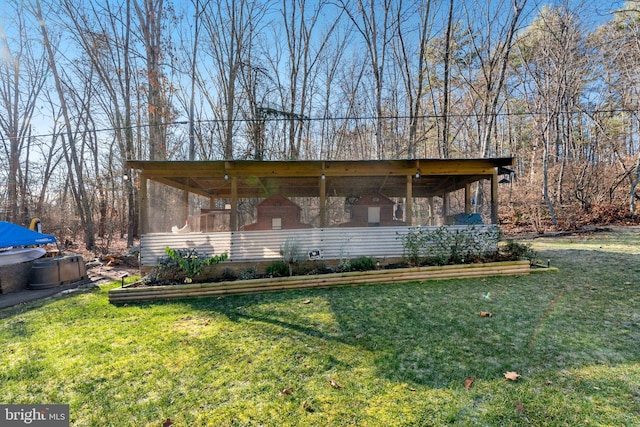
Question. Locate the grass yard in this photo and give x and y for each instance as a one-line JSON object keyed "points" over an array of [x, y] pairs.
{"points": [[378, 355]]}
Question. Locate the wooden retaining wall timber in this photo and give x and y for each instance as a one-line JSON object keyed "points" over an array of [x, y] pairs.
{"points": [[197, 290]]}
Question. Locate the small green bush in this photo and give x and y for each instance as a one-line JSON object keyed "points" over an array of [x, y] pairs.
{"points": [[363, 263], [277, 269], [413, 244], [344, 265], [517, 251], [184, 264], [228, 275], [291, 253], [249, 273]]}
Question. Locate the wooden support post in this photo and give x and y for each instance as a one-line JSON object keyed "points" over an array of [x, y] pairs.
{"points": [[494, 197], [445, 207], [323, 201], [185, 203], [467, 199], [432, 213], [409, 207], [143, 220], [234, 204]]}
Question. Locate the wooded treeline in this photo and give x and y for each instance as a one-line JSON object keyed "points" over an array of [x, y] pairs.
{"points": [[87, 85]]}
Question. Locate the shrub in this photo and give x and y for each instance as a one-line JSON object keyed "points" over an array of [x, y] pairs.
{"points": [[291, 253], [517, 251], [344, 265], [277, 269], [444, 245], [184, 264], [249, 273], [363, 263], [228, 275], [413, 246]]}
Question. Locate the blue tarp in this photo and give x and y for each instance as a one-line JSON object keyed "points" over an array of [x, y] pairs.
{"points": [[15, 235]]}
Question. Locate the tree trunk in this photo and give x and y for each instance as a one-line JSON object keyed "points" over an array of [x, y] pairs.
{"points": [[444, 144], [634, 185], [545, 180], [73, 162]]}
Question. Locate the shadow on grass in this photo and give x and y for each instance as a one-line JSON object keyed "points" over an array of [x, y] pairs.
{"points": [[431, 333], [25, 307]]}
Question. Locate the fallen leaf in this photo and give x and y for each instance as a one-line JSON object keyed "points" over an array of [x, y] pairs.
{"points": [[486, 314], [207, 323], [167, 423], [412, 389], [468, 382], [511, 375], [307, 406], [519, 408], [307, 301], [334, 384], [287, 391], [299, 356]]}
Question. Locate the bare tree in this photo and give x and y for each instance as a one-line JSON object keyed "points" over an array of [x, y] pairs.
{"points": [[330, 71], [411, 53], [230, 27], [150, 21], [619, 47], [51, 152], [300, 19], [376, 32], [23, 72], [104, 35], [444, 144], [555, 75], [491, 29], [70, 143]]}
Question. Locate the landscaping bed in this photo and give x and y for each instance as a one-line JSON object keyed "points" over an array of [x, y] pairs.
{"points": [[148, 292]]}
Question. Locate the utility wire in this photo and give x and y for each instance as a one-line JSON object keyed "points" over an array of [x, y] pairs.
{"points": [[345, 118]]}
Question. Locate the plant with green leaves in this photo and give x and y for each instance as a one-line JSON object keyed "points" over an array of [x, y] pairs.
{"points": [[413, 245], [445, 245], [363, 263], [291, 253], [185, 264], [277, 269], [516, 251]]}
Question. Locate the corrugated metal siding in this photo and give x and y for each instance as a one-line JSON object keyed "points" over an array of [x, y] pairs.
{"points": [[333, 243]]}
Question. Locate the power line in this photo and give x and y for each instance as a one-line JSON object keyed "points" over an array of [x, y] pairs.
{"points": [[343, 118]]}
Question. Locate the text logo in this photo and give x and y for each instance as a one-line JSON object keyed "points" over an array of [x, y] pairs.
{"points": [[34, 415]]}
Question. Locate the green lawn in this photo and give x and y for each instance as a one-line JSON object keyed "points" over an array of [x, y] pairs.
{"points": [[400, 352]]}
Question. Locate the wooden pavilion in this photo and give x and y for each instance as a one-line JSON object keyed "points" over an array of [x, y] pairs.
{"points": [[234, 180]]}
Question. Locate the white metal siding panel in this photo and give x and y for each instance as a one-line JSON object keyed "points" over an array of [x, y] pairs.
{"points": [[248, 246]]}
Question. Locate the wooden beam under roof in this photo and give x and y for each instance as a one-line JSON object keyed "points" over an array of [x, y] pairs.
{"points": [[300, 178], [317, 167]]}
